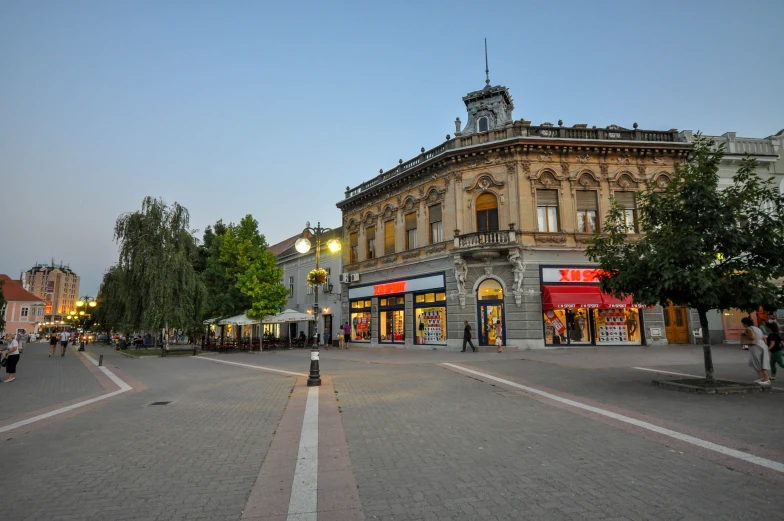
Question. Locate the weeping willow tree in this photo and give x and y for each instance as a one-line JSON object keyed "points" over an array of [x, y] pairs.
{"points": [[160, 288]]}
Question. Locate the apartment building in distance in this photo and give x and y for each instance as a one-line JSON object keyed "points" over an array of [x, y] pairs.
{"points": [[23, 311], [56, 285]]}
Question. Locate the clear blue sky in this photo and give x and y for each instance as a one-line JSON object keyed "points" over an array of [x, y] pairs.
{"points": [[273, 109]]}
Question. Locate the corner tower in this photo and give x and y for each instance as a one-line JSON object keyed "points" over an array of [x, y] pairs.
{"points": [[488, 109]]}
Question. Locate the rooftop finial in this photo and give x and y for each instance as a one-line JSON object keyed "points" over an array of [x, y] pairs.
{"points": [[487, 68]]}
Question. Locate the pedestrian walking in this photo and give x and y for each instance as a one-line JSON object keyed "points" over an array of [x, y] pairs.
{"points": [[64, 336], [346, 335], [339, 337], [11, 360], [775, 348], [467, 337], [52, 343], [499, 336], [759, 356]]}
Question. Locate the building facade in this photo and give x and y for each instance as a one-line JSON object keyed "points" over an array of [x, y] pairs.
{"points": [[56, 285], [23, 311], [490, 227], [302, 296]]}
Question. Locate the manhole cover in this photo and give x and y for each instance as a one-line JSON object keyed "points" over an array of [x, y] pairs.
{"points": [[160, 403]]}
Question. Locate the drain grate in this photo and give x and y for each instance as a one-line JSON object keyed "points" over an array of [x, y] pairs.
{"points": [[160, 403]]}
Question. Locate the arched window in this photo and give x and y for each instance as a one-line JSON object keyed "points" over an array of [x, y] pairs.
{"points": [[487, 213], [490, 289], [483, 124]]}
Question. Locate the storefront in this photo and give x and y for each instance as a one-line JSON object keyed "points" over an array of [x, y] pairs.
{"points": [[360, 320], [414, 306], [576, 312]]}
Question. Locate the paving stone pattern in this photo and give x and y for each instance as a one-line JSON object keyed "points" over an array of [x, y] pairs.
{"points": [[196, 458], [430, 444], [45, 382]]}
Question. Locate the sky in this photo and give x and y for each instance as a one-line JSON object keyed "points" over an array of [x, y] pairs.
{"points": [[274, 108]]}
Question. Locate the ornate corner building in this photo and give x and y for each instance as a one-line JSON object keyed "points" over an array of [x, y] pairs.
{"points": [[490, 227]]}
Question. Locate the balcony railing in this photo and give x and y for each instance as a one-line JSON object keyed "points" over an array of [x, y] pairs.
{"points": [[500, 237]]}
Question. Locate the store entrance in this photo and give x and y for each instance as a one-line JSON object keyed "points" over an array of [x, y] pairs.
{"points": [[491, 314], [676, 325]]}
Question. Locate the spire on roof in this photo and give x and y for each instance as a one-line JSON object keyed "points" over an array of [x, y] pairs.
{"points": [[487, 68]]}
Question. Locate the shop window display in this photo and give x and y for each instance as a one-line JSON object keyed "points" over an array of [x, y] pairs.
{"points": [[567, 326], [617, 326], [430, 317], [392, 326], [360, 321]]}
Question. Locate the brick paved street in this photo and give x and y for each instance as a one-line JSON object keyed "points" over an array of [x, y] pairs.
{"points": [[425, 442]]}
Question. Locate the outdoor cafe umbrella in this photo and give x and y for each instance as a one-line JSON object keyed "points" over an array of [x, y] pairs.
{"points": [[285, 317]]}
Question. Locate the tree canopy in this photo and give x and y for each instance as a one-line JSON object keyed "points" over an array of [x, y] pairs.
{"points": [[699, 246], [157, 281]]}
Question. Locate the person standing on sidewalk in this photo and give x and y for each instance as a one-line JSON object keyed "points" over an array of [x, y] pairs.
{"points": [[499, 336], [467, 337], [12, 360], [346, 335], [775, 348], [64, 336], [759, 356]]}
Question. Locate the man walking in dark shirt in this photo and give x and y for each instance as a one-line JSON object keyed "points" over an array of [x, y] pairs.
{"points": [[467, 336]]}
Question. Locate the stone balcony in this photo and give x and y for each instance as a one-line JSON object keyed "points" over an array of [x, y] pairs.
{"points": [[486, 245]]}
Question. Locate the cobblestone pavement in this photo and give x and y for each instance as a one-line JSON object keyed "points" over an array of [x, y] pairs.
{"points": [[471, 451], [195, 458], [43, 382], [425, 442]]}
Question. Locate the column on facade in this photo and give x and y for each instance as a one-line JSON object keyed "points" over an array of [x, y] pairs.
{"points": [[400, 231], [525, 192], [423, 223], [361, 243], [512, 194], [460, 202]]}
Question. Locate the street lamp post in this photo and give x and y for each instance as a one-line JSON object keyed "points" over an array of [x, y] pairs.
{"points": [[303, 246], [84, 306]]}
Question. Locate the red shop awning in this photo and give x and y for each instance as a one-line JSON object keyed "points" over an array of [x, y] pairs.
{"points": [[582, 296]]}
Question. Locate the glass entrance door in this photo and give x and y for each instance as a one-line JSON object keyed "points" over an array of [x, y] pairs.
{"points": [[491, 315]]}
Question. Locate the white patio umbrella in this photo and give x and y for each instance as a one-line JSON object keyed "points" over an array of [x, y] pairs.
{"points": [[284, 317], [238, 320]]}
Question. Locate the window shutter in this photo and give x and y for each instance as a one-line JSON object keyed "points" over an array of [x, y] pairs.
{"points": [[411, 221], [353, 239], [586, 200], [389, 237], [625, 199], [486, 202], [435, 213], [547, 197], [370, 233]]}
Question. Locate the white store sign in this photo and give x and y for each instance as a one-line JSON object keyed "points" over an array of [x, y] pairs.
{"points": [[398, 286]]}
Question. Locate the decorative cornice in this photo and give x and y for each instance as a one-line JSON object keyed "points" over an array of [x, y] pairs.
{"points": [[485, 182]]}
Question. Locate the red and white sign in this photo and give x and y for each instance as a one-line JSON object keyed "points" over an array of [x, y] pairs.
{"points": [[554, 321], [571, 275], [390, 288]]}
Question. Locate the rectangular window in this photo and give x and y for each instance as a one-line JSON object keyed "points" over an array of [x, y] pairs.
{"points": [[436, 224], [360, 321], [586, 211], [389, 237], [370, 236], [291, 287], [411, 231], [547, 210], [627, 200], [24, 312], [353, 241]]}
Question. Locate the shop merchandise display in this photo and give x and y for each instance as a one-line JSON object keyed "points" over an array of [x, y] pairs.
{"points": [[433, 327], [612, 325]]}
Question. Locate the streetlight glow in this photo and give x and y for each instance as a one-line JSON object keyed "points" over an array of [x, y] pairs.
{"points": [[93, 303], [302, 245], [79, 303], [334, 245]]}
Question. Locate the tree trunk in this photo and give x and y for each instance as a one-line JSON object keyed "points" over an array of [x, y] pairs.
{"points": [[706, 347]]}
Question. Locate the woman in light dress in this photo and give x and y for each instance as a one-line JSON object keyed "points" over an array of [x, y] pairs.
{"points": [[759, 356]]}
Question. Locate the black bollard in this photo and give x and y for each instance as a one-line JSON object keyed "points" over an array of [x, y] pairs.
{"points": [[315, 378], [100, 360]]}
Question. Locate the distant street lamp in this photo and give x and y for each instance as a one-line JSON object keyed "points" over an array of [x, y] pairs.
{"points": [[84, 306], [315, 279]]}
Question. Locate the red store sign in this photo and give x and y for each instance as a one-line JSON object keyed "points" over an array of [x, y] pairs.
{"points": [[571, 275], [389, 288]]}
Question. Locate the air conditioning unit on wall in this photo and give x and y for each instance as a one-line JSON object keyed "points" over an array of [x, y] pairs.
{"points": [[354, 277], [345, 278]]}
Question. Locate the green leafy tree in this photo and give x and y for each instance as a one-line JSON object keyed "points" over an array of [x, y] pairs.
{"points": [[223, 298], [111, 311], [161, 289], [699, 246], [252, 268]]}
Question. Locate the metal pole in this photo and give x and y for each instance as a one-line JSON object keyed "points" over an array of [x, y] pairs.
{"points": [[315, 378]]}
